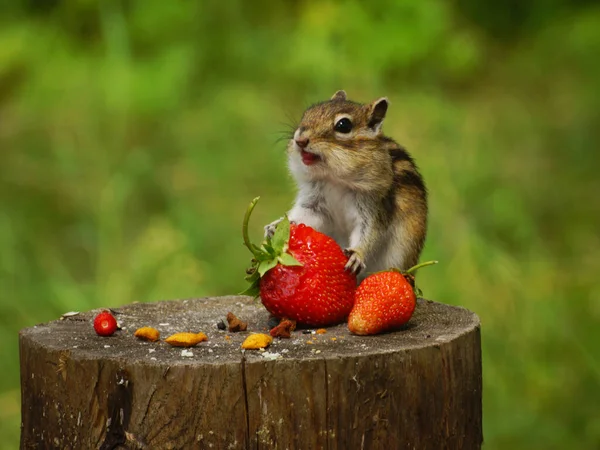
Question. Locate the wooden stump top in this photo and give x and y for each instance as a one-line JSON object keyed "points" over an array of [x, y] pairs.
{"points": [[419, 387], [432, 324]]}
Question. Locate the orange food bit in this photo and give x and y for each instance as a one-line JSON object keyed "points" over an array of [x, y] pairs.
{"points": [[186, 339], [147, 334], [256, 341], [321, 331]]}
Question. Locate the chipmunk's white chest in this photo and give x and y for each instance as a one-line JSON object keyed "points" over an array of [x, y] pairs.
{"points": [[343, 213]]}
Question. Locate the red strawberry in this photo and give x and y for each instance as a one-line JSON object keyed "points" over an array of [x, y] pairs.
{"points": [[300, 274], [105, 324], [384, 301]]}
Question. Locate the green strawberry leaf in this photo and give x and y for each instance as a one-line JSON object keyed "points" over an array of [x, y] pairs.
{"points": [[263, 256], [254, 248], [265, 266], [266, 247], [281, 235], [254, 276], [253, 290], [288, 260], [272, 250]]}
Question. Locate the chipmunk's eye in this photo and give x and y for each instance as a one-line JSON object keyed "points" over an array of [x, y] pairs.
{"points": [[344, 125]]}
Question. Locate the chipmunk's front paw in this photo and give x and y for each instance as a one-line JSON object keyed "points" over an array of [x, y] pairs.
{"points": [[356, 263], [270, 229]]}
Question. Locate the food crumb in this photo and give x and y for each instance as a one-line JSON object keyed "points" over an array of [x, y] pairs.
{"points": [[186, 339], [187, 353], [283, 329], [147, 334], [309, 342], [235, 324], [257, 341], [321, 331], [271, 356]]}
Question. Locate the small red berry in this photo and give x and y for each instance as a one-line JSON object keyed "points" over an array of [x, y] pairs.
{"points": [[105, 324]]}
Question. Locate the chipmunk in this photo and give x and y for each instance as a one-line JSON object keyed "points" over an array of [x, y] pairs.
{"points": [[357, 185]]}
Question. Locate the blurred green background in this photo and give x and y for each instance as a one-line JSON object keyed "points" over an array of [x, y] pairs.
{"points": [[134, 133]]}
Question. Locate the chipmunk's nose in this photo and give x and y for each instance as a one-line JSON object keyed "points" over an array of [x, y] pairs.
{"points": [[301, 142]]}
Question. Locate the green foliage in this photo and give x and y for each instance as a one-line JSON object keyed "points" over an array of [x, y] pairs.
{"points": [[133, 133]]}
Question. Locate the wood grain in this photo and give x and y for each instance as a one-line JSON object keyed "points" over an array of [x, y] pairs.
{"points": [[419, 387]]}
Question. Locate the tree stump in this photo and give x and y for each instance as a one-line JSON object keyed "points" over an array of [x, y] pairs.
{"points": [[416, 388]]}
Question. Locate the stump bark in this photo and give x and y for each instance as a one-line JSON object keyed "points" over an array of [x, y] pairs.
{"points": [[416, 388]]}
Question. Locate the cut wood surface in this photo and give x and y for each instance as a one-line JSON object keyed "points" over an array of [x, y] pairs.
{"points": [[416, 388]]}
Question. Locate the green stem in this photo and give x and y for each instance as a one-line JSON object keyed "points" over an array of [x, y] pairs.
{"points": [[418, 266], [247, 242]]}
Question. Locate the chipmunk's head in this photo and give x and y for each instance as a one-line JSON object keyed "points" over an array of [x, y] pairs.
{"points": [[337, 139]]}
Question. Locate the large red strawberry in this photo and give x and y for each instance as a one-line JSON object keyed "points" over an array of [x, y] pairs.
{"points": [[300, 274], [384, 301]]}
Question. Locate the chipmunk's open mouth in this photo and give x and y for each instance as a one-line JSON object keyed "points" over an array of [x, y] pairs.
{"points": [[309, 158]]}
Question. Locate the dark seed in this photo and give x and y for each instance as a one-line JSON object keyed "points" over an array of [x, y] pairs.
{"points": [[221, 325]]}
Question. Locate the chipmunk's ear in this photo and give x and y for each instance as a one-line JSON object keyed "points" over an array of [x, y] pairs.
{"points": [[339, 96], [377, 111]]}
